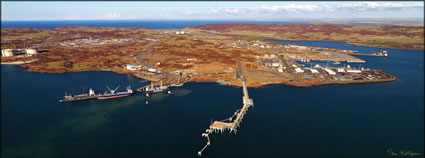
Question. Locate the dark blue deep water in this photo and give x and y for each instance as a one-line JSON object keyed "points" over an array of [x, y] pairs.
{"points": [[153, 24], [325, 121]]}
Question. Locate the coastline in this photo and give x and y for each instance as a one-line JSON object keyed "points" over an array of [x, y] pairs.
{"points": [[347, 42], [303, 84], [17, 62]]}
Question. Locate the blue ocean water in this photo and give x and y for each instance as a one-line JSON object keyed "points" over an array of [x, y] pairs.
{"points": [[152, 24], [324, 121]]}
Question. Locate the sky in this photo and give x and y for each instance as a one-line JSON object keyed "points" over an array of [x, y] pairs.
{"points": [[208, 10]]}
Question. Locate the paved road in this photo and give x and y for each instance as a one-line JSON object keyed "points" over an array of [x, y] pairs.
{"points": [[168, 78]]}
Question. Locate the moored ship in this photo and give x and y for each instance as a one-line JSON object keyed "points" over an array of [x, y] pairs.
{"points": [[150, 90], [114, 94], [84, 96], [381, 53]]}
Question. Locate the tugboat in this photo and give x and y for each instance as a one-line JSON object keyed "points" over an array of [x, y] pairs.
{"points": [[79, 97], [152, 89], [114, 94]]}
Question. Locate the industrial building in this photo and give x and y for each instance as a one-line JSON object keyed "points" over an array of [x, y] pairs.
{"points": [[7, 53], [329, 71], [31, 51], [299, 70], [354, 71], [13, 52], [133, 67], [314, 71]]}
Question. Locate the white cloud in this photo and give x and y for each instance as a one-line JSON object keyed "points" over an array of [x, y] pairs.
{"points": [[375, 5], [290, 8], [72, 17], [111, 16], [222, 10], [297, 8]]}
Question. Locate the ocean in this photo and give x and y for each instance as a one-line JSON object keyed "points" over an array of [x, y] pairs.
{"points": [[324, 121], [152, 24]]}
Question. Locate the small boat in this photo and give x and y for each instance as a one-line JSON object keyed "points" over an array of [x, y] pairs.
{"points": [[114, 94]]}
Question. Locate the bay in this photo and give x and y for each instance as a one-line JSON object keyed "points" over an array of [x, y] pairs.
{"points": [[324, 121]]}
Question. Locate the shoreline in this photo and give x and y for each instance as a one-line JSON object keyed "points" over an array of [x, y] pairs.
{"points": [[303, 84], [346, 42]]}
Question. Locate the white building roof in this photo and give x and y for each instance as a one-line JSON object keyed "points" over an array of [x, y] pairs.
{"points": [[329, 71], [314, 71], [298, 70], [354, 71]]}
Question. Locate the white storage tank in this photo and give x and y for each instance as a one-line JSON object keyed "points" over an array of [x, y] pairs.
{"points": [[151, 70]]}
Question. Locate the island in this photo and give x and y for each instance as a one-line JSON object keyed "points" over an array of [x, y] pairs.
{"points": [[208, 53]]}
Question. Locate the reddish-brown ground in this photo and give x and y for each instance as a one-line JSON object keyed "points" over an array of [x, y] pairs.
{"points": [[402, 37]]}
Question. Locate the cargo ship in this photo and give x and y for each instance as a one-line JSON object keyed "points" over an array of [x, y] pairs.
{"points": [[382, 53], [84, 96], [150, 90], [114, 94]]}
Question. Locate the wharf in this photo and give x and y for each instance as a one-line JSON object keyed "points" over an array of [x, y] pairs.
{"points": [[361, 54], [220, 126]]}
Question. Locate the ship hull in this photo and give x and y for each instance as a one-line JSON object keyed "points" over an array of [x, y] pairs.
{"points": [[114, 96], [155, 91], [79, 98]]}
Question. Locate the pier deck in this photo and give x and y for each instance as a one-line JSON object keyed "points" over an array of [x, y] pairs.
{"points": [[361, 54], [220, 126]]}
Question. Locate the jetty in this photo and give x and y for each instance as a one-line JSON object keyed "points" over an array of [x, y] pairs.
{"points": [[230, 123], [361, 54], [377, 54]]}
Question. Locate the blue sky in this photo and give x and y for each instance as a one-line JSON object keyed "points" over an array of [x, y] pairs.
{"points": [[208, 10]]}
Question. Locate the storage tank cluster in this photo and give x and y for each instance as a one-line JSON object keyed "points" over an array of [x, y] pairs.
{"points": [[179, 32]]}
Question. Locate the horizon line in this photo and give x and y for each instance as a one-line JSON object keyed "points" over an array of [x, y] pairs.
{"points": [[237, 19]]}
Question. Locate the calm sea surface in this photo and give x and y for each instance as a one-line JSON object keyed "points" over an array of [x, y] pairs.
{"points": [[128, 23], [324, 121]]}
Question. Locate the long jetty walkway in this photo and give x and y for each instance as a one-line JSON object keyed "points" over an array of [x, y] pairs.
{"points": [[228, 124]]}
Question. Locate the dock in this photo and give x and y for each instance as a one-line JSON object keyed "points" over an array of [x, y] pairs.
{"points": [[361, 54], [230, 123]]}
